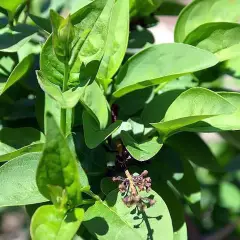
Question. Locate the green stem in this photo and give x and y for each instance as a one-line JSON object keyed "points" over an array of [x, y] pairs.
{"points": [[64, 88]]}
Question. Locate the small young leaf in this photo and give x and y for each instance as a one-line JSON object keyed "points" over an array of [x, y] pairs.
{"points": [[220, 38], [19, 182], [13, 144], [58, 168], [62, 37], [18, 72], [192, 106], [141, 151], [49, 223], [113, 220], [93, 134], [207, 12], [140, 72]]}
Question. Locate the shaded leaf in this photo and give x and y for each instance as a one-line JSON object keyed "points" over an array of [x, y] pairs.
{"points": [[11, 40], [18, 72], [93, 134], [13, 144], [193, 148]]}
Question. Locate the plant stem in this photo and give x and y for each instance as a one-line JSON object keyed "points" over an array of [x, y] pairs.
{"points": [[64, 88]]}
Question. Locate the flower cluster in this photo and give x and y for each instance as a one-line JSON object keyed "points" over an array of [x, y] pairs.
{"points": [[131, 185]]}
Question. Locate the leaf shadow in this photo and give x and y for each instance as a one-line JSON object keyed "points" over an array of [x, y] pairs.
{"points": [[141, 215], [98, 226]]}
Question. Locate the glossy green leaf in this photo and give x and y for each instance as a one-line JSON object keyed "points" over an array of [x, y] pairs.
{"points": [[18, 72], [67, 99], [113, 220], [96, 104], [140, 71], [200, 12], [192, 106], [91, 40], [13, 144], [140, 8], [11, 40], [141, 151], [194, 150], [220, 38], [223, 122], [116, 42], [18, 183], [229, 195], [93, 134], [51, 223], [58, 168]]}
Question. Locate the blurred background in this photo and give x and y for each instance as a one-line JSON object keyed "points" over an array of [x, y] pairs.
{"points": [[220, 219]]}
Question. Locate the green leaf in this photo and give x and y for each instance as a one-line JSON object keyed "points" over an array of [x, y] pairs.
{"points": [[93, 134], [11, 6], [58, 169], [192, 106], [113, 220], [11, 40], [67, 99], [155, 110], [62, 36], [220, 38], [141, 151], [92, 23], [18, 72], [96, 104], [195, 150], [18, 181], [175, 208], [13, 144], [200, 12], [140, 71], [140, 8], [116, 42], [50, 223], [189, 187], [41, 22], [229, 195], [222, 122]]}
